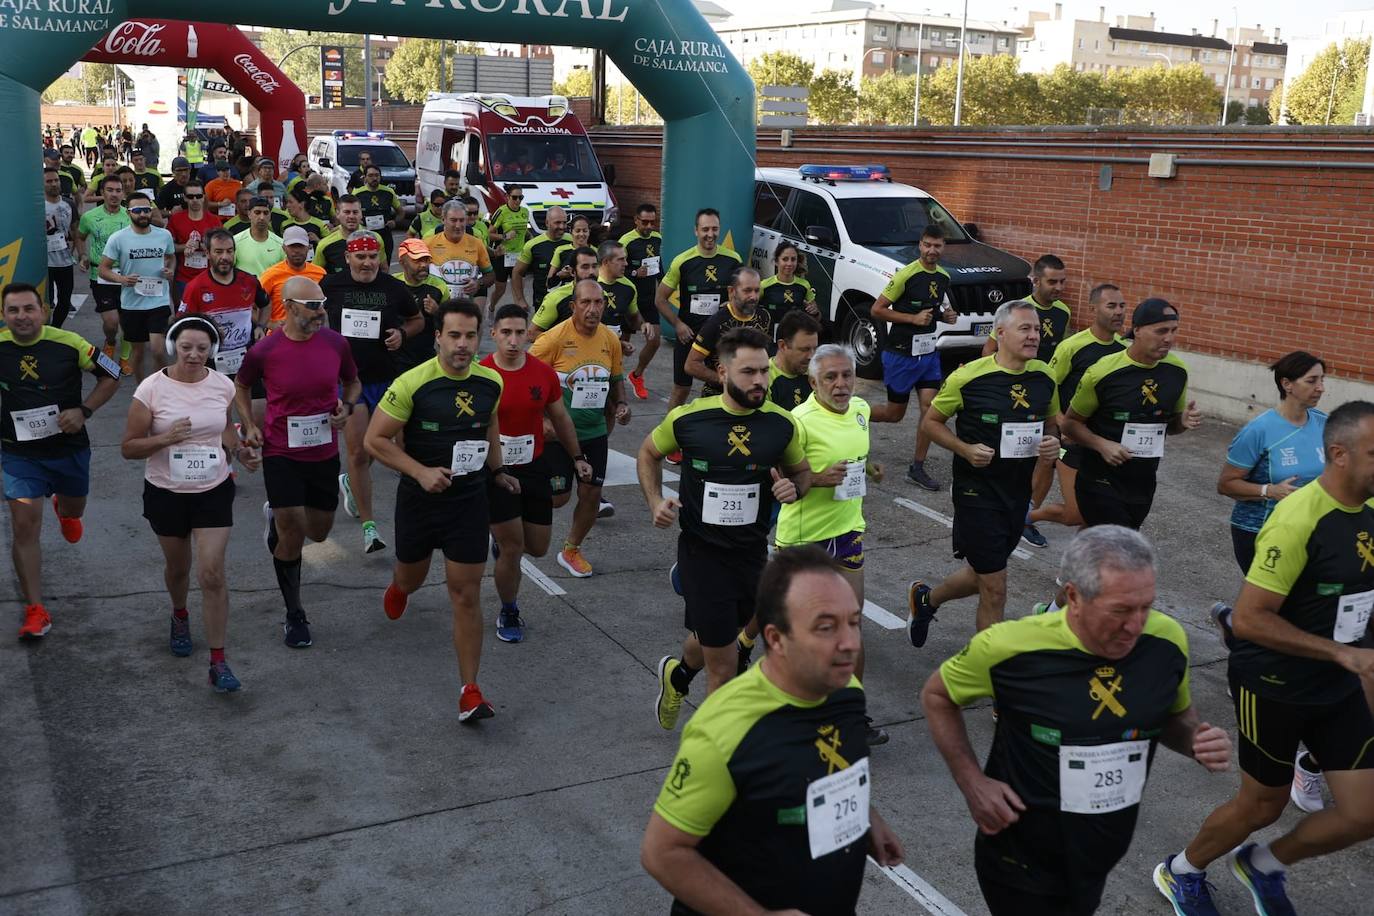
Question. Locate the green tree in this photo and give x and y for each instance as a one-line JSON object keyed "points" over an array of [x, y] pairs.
{"points": [[1068, 96], [1331, 89], [303, 67], [994, 92], [833, 100], [1257, 115], [780, 68], [577, 85], [887, 99], [414, 70], [65, 89], [1235, 111], [1164, 95]]}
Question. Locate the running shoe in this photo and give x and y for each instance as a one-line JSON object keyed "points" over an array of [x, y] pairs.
{"points": [[920, 613], [472, 705], [675, 578], [350, 505], [372, 541], [269, 528], [222, 679], [1190, 895], [36, 622], [606, 509], [1267, 889], [297, 630], [180, 641], [126, 368], [876, 734], [1221, 619], [510, 626], [669, 702], [637, 383], [111, 351], [394, 601], [71, 527], [916, 473], [1032, 536], [571, 559], [675, 457], [1306, 792], [1040, 607]]}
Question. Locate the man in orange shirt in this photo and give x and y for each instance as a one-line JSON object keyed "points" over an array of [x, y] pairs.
{"points": [[460, 259], [221, 190], [296, 246]]}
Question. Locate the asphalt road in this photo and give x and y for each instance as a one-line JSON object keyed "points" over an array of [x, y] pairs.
{"points": [[340, 780]]}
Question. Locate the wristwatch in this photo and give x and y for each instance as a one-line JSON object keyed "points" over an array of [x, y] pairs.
{"points": [[86, 411], [350, 405]]}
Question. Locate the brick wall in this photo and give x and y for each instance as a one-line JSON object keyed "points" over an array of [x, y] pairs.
{"points": [[1263, 256]]}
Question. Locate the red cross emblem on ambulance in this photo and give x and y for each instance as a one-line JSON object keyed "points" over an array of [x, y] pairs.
{"points": [[560, 192]]}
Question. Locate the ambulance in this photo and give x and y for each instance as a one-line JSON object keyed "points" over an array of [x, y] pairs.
{"points": [[495, 140]]}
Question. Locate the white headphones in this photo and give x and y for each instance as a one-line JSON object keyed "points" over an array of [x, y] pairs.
{"points": [[197, 322]]}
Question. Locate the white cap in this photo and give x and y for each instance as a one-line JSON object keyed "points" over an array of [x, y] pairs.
{"points": [[295, 235]]}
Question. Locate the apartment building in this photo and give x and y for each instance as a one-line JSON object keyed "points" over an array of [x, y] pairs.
{"points": [[1336, 29]]}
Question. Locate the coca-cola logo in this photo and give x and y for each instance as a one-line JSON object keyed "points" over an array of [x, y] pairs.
{"points": [[266, 81], [136, 38]]}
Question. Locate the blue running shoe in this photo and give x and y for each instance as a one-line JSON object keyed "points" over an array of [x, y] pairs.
{"points": [[222, 679], [1032, 536], [920, 613], [1267, 889], [181, 637], [676, 578], [510, 627], [1190, 895]]}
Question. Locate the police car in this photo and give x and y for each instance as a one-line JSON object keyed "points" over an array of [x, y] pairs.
{"points": [[335, 156], [856, 228]]}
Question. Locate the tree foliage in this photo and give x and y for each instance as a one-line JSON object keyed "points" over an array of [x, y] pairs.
{"points": [[620, 109], [1311, 99], [780, 68], [1167, 95], [88, 87], [414, 70], [833, 99], [303, 67]]}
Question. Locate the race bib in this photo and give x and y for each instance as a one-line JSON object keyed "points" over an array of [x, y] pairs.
{"points": [[361, 324], [855, 483], [922, 344], [38, 423], [1144, 440], [375, 222], [148, 286], [511, 259], [705, 304], [227, 208], [196, 260], [1102, 779], [193, 463], [517, 449], [305, 432], [57, 242], [730, 504], [228, 362], [468, 456], [590, 395], [837, 809], [651, 266], [1352, 614], [457, 274], [1021, 440]]}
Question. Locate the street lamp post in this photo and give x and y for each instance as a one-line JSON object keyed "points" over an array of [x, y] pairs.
{"points": [[1230, 63], [959, 78], [916, 106], [1168, 61], [1335, 75]]}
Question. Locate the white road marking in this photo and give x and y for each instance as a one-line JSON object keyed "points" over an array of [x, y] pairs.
{"points": [[536, 575], [920, 890], [882, 617], [1020, 553], [621, 470], [78, 300]]}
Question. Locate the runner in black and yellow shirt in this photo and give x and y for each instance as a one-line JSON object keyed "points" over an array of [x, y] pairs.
{"points": [[699, 276], [741, 311], [1083, 696], [733, 446], [798, 336], [767, 804], [622, 298], [1071, 359], [537, 256], [446, 408], [1048, 279], [644, 250], [1302, 630], [1121, 411], [381, 209], [557, 306], [785, 290], [1006, 411], [911, 302], [510, 223]]}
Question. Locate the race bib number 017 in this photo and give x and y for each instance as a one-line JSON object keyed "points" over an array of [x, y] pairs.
{"points": [[305, 432]]}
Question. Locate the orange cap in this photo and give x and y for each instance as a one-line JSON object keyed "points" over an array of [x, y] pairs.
{"points": [[416, 248]]}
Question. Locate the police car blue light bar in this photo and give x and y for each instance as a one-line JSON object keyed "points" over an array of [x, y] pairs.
{"points": [[356, 134], [846, 172]]}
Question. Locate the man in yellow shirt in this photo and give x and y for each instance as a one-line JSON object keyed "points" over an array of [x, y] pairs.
{"points": [[460, 260]]}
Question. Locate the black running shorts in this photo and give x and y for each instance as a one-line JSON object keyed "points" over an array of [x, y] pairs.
{"points": [[456, 524], [534, 502], [1340, 735], [312, 484], [986, 536], [175, 515], [719, 587]]}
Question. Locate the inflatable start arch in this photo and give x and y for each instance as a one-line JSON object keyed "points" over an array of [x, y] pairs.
{"points": [[664, 47]]}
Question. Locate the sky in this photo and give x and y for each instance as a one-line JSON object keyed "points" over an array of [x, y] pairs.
{"points": [[1295, 19]]}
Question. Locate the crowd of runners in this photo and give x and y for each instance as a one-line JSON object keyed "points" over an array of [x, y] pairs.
{"points": [[286, 346]]}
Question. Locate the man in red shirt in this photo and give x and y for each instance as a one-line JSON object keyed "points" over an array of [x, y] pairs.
{"points": [[521, 523], [231, 298], [189, 227]]}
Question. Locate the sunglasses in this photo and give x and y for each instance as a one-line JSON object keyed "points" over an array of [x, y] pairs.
{"points": [[194, 196], [517, 197], [313, 304], [140, 209], [474, 213]]}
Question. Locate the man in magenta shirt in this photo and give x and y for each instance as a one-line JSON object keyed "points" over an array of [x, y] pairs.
{"points": [[303, 367]]}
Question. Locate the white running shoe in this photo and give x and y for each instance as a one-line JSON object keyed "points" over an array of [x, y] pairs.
{"points": [[350, 505], [1307, 787]]}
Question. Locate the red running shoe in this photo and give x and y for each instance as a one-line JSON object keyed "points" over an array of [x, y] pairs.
{"points": [[36, 622], [472, 705], [394, 602], [71, 527]]}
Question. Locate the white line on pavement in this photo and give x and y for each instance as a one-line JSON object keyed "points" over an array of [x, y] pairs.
{"points": [[1020, 553], [622, 470], [920, 890], [78, 300], [882, 617], [536, 575]]}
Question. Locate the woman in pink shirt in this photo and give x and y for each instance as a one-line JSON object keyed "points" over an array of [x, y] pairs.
{"points": [[180, 424]]}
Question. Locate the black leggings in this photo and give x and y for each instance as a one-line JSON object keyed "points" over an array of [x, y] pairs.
{"points": [[60, 279], [1243, 545]]}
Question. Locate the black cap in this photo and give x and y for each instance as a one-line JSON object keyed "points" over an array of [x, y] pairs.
{"points": [[1153, 311], [223, 165], [259, 202]]}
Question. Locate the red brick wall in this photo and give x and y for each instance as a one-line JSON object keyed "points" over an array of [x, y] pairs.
{"points": [[1260, 259]]}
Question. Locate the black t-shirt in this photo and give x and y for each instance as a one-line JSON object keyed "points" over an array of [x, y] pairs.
{"points": [[420, 347], [621, 302], [913, 290], [386, 296], [541, 250], [172, 195], [709, 336], [40, 378]]}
